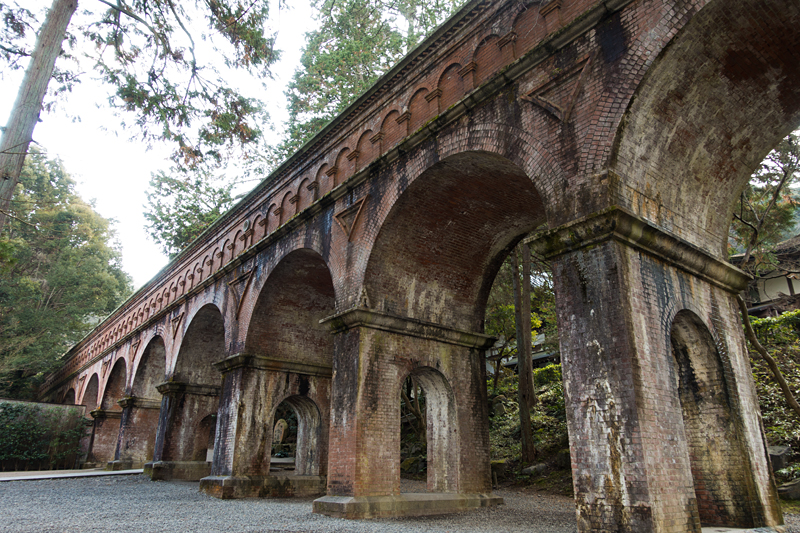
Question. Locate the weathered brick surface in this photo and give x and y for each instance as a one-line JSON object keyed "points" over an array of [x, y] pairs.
{"points": [[513, 116]]}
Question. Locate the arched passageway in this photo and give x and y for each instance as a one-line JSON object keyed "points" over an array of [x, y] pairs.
{"points": [[69, 397], [107, 417], [721, 473], [139, 424], [441, 433], [189, 401], [287, 357]]}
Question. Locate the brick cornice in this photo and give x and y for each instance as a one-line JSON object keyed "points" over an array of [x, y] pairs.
{"points": [[140, 403], [105, 413], [367, 318], [178, 387], [618, 224], [261, 362]]}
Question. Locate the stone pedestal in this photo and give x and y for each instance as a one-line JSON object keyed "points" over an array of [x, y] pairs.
{"points": [[375, 352]]}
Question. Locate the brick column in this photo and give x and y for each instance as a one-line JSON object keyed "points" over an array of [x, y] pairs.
{"points": [[183, 406], [137, 432], [253, 387], [104, 435], [619, 283], [374, 353]]}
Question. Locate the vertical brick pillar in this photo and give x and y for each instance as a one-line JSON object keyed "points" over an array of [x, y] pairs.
{"points": [[619, 280]]}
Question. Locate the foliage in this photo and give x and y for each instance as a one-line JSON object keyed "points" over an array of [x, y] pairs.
{"points": [[768, 208], [60, 275], [357, 41], [548, 417], [180, 207], [174, 84], [39, 436], [780, 336]]}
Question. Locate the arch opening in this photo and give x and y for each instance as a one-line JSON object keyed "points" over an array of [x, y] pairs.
{"points": [[296, 442], [436, 400], [443, 242], [285, 325], [720, 471]]}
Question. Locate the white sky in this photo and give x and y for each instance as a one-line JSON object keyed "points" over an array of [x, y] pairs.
{"points": [[115, 171]]}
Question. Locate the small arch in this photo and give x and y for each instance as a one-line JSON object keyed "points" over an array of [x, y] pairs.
{"points": [[287, 208], [238, 244], [325, 183], [367, 150], [306, 195], [90, 393], [392, 130], [442, 428], [273, 220], [203, 441], [488, 59], [420, 108], [115, 387], [69, 397], [452, 86], [307, 437], [723, 485], [344, 167], [530, 29]]}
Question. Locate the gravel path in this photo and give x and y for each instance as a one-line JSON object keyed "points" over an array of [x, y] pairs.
{"points": [[135, 504]]}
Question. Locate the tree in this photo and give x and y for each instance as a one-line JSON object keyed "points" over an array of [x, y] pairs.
{"points": [[357, 41], [180, 208], [160, 72], [60, 274], [767, 211]]}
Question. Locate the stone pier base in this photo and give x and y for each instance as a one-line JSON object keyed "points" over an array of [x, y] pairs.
{"points": [[185, 470], [121, 465], [407, 504], [274, 486]]}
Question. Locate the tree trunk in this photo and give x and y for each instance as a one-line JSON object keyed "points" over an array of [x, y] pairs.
{"points": [[523, 331], [19, 130], [526, 364]]}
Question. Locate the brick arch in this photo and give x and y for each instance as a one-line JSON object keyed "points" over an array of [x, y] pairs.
{"points": [[443, 239], [287, 208], [202, 343], [705, 113], [344, 166], [325, 181], [488, 59], [452, 86], [421, 109], [367, 150], [292, 298], [91, 393], [69, 397], [711, 425], [391, 130], [305, 195], [530, 29], [309, 455], [115, 386], [149, 368]]}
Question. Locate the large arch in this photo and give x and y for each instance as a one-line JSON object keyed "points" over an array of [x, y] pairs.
{"points": [[90, 392], [189, 397], [717, 99], [426, 283], [444, 239], [139, 425], [287, 357]]}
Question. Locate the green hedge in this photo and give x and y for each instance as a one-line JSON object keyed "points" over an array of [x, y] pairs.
{"points": [[39, 436], [781, 329]]}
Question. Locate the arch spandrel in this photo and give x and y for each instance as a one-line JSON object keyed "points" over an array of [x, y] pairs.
{"points": [[707, 110]]}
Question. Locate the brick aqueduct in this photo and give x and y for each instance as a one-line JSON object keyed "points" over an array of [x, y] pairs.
{"points": [[626, 128]]}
